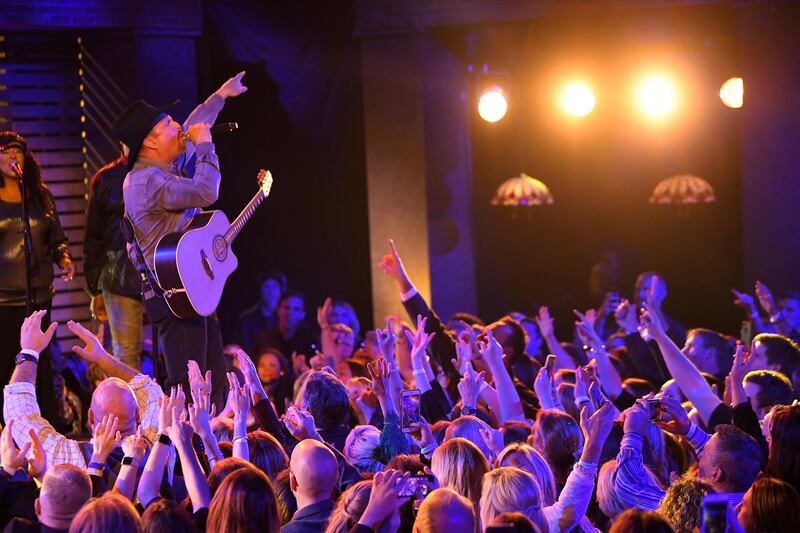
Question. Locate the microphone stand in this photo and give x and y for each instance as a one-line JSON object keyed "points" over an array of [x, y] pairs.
{"points": [[27, 243]]}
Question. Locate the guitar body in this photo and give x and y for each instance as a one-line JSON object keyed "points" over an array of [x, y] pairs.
{"points": [[193, 265]]}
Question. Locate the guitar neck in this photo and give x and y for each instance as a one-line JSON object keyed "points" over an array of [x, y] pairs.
{"points": [[244, 216]]}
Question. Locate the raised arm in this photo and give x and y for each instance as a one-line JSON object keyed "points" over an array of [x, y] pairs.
{"points": [[545, 323], [748, 305], [240, 404], [687, 376], [610, 379], [386, 344], [153, 472], [134, 446], [423, 375], [201, 411], [196, 483], [510, 405]]}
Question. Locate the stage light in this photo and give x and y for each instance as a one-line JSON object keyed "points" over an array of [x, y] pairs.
{"points": [[577, 99], [732, 93], [656, 96], [492, 105]]}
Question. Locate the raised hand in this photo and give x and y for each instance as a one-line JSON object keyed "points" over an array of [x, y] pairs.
{"points": [[200, 414], [652, 322], [105, 438], [384, 499], [31, 336], [765, 298], [233, 87], [180, 432], [609, 305], [470, 387], [463, 356], [586, 331], [596, 428], [545, 322], [11, 458], [625, 315], [745, 301], [324, 312], [299, 364], [392, 265], [419, 340], [380, 372], [251, 379], [582, 382], [93, 350], [300, 424], [134, 445], [421, 434], [637, 418], [241, 400], [198, 386], [491, 350], [493, 438], [543, 386], [37, 460], [672, 416], [386, 341]]}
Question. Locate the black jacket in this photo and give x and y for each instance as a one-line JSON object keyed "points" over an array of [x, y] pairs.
{"points": [[105, 260]]}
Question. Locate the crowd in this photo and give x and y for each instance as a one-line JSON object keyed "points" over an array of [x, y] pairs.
{"points": [[622, 430]]}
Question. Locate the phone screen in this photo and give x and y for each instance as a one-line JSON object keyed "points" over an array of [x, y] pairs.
{"points": [[415, 486], [410, 406], [549, 364], [717, 513]]}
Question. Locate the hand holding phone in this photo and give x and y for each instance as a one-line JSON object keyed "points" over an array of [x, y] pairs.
{"points": [[410, 410]]}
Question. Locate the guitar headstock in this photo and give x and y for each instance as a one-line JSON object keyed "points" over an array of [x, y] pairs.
{"points": [[265, 181]]}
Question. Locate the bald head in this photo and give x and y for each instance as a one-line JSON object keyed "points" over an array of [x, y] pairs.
{"points": [[65, 489], [114, 397], [315, 470], [444, 510]]}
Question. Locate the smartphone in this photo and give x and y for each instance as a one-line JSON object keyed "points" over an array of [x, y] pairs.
{"points": [[415, 487], [655, 407], [549, 364], [746, 333], [718, 515], [409, 409]]}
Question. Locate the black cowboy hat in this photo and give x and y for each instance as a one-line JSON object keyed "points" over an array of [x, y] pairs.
{"points": [[135, 123]]}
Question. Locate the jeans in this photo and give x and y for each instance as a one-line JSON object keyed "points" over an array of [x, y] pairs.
{"points": [[125, 322], [181, 339]]}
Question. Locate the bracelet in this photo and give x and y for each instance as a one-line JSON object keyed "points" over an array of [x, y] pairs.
{"points": [[419, 372], [582, 399], [589, 469], [240, 439], [94, 465], [163, 438], [128, 460]]}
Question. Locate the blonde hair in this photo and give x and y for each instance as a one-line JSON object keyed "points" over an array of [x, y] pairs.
{"points": [[558, 437], [533, 463], [683, 504], [459, 464], [509, 488], [109, 512], [468, 427], [361, 448], [349, 507]]}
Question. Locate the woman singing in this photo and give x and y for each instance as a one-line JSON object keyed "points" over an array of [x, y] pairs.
{"points": [[49, 246]]}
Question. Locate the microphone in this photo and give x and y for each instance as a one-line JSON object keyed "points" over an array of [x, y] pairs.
{"points": [[15, 168], [225, 127]]}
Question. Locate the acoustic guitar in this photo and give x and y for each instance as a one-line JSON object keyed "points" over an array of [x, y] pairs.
{"points": [[192, 265]]}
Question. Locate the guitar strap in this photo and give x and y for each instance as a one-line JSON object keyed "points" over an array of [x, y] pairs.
{"points": [[150, 286]]}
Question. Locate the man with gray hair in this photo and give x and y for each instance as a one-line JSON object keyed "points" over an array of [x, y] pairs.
{"points": [[65, 489]]}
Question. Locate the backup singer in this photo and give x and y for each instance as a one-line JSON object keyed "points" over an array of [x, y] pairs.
{"points": [[49, 246], [158, 200]]}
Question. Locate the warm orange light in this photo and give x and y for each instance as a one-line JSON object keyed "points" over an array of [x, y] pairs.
{"points": [[577, 99], [657, 96], [492, 105], [732, 93]]}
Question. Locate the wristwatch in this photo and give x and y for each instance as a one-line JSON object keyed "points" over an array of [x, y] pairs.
{"points": [[22, 357], [468, 411]]}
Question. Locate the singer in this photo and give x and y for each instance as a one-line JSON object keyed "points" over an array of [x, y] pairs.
{"points": [[159, 200], [49, 246]]}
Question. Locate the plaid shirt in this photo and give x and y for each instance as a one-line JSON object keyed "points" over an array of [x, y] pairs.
{"points": [[633, 483], [20, 404]]}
